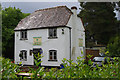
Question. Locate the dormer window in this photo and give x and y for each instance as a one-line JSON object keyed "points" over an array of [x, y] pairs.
{"points": [[23, 35], [52, 33]]}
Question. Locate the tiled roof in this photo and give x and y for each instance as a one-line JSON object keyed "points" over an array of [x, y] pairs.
{"points": [[49, 17]]}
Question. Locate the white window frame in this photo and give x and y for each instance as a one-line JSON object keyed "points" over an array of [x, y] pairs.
{"points": [[24, 55], [52, 33], [23, 35], [53, 55]]}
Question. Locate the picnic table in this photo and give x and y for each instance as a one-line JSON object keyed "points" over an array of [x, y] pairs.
{"points": [[25, 75]]}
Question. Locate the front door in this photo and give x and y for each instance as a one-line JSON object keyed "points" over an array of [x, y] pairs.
{"points": [[36, 53]]}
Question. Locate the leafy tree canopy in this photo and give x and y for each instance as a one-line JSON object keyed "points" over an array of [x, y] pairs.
{"points": [[114, 46], [10, 18], [99, 20]]}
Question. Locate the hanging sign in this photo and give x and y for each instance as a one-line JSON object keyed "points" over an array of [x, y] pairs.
{"points": [[80, 42], [37, 40]]}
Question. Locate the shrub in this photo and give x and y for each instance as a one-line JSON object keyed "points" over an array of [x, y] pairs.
{"points": [[114, 46], [82, 70], [9, 69], [71, 70]]}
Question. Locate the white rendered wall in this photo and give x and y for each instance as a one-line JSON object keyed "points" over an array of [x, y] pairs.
{"points": [[61, 44], [77, 32]]}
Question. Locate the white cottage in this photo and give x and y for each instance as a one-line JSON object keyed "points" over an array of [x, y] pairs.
{"points": [[55, 32]]}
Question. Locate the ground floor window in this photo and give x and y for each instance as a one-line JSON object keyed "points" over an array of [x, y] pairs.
{"points": [[23, 55], [52, 55]]}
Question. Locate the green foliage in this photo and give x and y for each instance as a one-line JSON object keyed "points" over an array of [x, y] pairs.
{"points": [[82, 70], [0, 30], [10, 18], [99, 21], [39, 72], [9, 69], [114, 46], [70, 70]]}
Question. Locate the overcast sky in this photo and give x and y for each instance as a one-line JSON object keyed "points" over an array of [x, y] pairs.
{"points": [[29, 7]]}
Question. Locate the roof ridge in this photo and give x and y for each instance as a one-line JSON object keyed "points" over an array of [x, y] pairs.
{"points": [[50, 8]]}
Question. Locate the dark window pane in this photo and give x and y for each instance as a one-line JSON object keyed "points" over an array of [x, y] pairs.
{"points": [[55, 32], [54, 53], [51, 53], [25, 34], [22, 56], [55, 57], [50, 57], [50, 32], [31, 52], [25, 55], [22, 34]]}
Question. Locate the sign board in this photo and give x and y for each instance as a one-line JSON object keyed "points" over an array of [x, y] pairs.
{"points": [[80, 42], [37, 40]]}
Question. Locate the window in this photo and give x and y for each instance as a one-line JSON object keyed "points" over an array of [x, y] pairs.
{"points": [[52, 33], [23, 55], [31, 51], [52, 55], [23, 35]]}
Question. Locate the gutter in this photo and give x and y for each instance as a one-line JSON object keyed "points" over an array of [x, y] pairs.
{"points": [[42, 28]]}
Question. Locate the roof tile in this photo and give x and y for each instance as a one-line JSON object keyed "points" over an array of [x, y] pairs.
{"points": [[49, 17]]}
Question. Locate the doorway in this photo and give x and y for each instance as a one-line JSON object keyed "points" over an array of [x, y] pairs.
{"points": [[36, 53]]}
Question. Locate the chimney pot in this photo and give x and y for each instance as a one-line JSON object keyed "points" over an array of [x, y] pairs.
{"points": [[74, 7]]}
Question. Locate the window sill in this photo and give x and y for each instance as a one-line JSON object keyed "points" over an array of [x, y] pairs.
{"points": [[52, 37], [23, 60], [24, 39], [52, 60]]}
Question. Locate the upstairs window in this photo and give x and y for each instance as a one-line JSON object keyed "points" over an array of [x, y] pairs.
{"points": [[23, 35], [52, 55], [52, 33], [23, 55]]}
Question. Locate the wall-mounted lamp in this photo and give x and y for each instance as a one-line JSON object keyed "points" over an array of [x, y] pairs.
{"points": [[62, 31]]}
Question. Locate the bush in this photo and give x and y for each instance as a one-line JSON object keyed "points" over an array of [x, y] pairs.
{"points": [[114, 46], [81, 70], [9, 69], [70, 70]]}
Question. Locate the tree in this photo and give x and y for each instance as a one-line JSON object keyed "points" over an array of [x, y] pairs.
{"points": [[114, 46], [99, 20], [10, 18], [0, 30]]}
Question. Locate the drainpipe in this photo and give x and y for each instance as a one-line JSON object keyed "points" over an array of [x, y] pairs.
{"points": [[70, 42], [70, 50]]}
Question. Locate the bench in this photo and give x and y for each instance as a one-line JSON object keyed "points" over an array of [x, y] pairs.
{"points": [[25, 75]]}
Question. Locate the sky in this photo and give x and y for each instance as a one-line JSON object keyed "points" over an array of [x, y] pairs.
{"points": [[59, 0], [29, 7]]}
